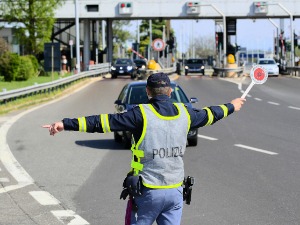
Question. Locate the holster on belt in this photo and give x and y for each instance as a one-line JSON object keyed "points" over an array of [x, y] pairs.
{"points": [[132, 186]]}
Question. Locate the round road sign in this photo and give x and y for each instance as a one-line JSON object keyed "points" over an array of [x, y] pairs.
{"points": [[259, 74], [158, 44]]}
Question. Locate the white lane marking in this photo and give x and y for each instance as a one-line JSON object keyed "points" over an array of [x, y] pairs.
{"points": [[4, 180], [206, 137], [273, 103], [44, 198], [69, 217], [9, 161], [255, 149], [258, 99], [292, 107]]}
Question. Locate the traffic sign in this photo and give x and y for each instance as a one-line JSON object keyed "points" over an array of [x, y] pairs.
{"points": [[158, 44], [258, 75]]}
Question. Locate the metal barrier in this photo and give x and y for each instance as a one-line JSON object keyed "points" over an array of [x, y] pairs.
{"points": [[223, 71], [165, 70], [295, 69], [50, 86]]}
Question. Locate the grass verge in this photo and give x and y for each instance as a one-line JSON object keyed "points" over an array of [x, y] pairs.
{"points": [[24, 103]]}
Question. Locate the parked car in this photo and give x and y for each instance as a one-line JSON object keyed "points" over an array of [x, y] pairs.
{"points": [[141, 65], [194, 66], [134, 93], [270, 65], [123, 67]]}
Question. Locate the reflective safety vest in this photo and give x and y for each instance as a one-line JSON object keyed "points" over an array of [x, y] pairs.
{"points": [[157, 155]]}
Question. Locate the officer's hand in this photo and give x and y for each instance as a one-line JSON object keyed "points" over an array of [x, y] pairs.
{"points": [[54, 127], [237, 103]]}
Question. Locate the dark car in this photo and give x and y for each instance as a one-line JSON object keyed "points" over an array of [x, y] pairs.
{"points": [[134, 93], [141, 65], [123, 67], [194, 66]]}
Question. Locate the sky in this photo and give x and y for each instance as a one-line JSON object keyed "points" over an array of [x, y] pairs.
{"points": [[251, 34]]}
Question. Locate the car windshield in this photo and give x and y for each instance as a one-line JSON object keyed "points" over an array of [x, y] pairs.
{"points": [[266, 62], [123, 61], [194, 61], [140, 62], [137, 95]]}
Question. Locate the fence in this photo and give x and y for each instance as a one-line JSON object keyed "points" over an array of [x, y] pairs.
{"points": [[94, 70]]}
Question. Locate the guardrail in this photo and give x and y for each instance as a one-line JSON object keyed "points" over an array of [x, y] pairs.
{"points": [[95, 70], [222, 71], [295, 69], [168, 71]]}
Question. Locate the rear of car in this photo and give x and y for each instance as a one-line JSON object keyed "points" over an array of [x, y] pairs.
{"points": [[134, 93], [194, 66], [270, 65]]}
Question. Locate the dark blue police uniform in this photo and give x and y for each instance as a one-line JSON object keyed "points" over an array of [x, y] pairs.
{"points": [[132, 121]]}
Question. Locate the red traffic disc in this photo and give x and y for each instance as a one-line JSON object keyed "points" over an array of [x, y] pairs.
{"points": [[259, 74]]}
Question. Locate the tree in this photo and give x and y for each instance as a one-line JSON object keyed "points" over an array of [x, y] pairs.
{"points": [[157, 32], [120, 35], [4, 46], [204, 46], [37, 17], [118, 30]]}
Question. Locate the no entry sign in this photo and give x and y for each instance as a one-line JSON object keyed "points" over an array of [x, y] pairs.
{"points": [[258, 75]]}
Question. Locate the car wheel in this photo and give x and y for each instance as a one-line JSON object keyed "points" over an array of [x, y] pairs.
{"points": [[117, 137], [193, 141]]}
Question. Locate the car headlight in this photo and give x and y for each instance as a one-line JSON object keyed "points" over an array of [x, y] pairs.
{"points": [[186, 67], [113, 68], [143, 66], [202, 67], [129, 67]]}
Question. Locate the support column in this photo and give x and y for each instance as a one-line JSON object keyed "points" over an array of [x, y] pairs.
{"points": [[109, 40], [86, 45]]}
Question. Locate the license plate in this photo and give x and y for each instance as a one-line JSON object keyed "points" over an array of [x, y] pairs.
{"points": [[121, 71]]}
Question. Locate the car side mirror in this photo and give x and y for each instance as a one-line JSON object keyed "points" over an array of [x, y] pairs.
{"points": [[193, 100], [118, 102]]}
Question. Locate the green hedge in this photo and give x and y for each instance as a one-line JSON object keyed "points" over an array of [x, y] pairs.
{"points": [[17, 68]]}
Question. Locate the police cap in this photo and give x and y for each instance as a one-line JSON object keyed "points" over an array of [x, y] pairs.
{"points": [[157, 80]]}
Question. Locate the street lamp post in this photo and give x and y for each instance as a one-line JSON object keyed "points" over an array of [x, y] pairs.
{"points": [[291, 30], [277, 38]]}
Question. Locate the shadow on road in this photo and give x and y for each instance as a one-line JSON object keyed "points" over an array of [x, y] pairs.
{"points": [[101, 144]]}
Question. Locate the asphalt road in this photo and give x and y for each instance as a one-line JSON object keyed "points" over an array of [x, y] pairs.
{"points": [[246, 166]]}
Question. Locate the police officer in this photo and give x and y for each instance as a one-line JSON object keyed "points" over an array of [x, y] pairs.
{"points": [[159, 131]]}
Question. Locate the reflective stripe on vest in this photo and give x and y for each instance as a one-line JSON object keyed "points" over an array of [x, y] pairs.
{"points": [[82, 124], [105, 123], [210, 116], [225, 110], [157, 156]]}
